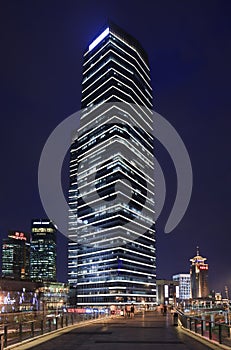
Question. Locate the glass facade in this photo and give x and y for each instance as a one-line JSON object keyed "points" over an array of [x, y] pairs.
{"points": [[16, 255], [111, 254], [43, 251], [184, 285]]}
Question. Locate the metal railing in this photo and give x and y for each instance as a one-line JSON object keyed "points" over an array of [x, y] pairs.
{"points": [[13, 333], [216, 331]]}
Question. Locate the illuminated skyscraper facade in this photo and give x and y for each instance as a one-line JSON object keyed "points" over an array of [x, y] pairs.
{"points": [[111, 254], [184, 280], [16, 255], [43, 251], [199, 276]]}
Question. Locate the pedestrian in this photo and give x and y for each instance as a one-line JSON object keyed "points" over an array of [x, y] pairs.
{"points": [[129, 310], [126, 311], [132, 310], [165, 310]]}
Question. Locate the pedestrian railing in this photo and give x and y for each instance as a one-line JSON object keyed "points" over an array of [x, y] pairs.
{"points": [[216, 331], [17, 332]]}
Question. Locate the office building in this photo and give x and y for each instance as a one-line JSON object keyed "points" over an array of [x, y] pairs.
{"points": [[43, 251], [167, 292], [16, 255], [111, 254], [184, 285], [199, 276]]}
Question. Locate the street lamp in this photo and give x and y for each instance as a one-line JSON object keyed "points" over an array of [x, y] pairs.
{"points": [[227, 296]]}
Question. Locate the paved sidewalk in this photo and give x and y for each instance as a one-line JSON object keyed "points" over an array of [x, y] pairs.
{"points": [[148, 331]]}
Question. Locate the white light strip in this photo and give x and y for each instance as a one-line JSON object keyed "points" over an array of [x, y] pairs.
{"points": [[122, 83], [98, 39], [121, 58], [133, 48], [108, 210], [115, 294], [97, 262], [127, 53], [147, 178], [122, 239], [117, 192], [133, 121], [103, 65], [119, 228], [119, 141], [119, 118], [117, 160], [97, 53], [127, 44], [123, 93], [104, 102], [137, 262], [119, 73], [119, 302], [118, 280], [115, 270], [114, 250]]}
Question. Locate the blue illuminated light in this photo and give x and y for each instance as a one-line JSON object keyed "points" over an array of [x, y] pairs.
{"points": [[98, 39]]}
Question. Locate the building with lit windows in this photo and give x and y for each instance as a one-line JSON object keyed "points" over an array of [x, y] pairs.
{"points": [[184, 280], [27, 295], [43, 251], [111, 252], [16, 255], [167, 292], [199, 276]]}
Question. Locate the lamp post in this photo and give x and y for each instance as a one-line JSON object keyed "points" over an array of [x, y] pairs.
{"points": [[227, 296]]}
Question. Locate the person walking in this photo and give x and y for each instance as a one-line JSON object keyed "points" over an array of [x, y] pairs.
{"points": [[128, 310], [132, 310], [165, 310]]}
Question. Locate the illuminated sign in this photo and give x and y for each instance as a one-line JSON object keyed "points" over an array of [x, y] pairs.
{"points": [[99, 39], [41, 223], [203, 267], [42, 230], [18, 235]]}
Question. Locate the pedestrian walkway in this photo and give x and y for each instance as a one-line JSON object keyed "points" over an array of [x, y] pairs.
{"points": [[146, 331]]}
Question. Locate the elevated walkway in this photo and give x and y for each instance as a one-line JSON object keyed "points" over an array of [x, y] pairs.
{"points": [[148, 330]]}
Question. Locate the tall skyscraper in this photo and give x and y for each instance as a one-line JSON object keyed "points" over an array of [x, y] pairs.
{"points": [[43, 251], [184, 280], [111, 254], [199, 276], [16, 255]]}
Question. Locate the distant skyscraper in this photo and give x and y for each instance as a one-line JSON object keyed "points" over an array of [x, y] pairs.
{"points": [[184, 285], [16, 255], [43, 251], [111, 256], [199, 276]]}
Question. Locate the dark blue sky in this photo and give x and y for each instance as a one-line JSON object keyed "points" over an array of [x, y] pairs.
{"points": [[188, 44]]}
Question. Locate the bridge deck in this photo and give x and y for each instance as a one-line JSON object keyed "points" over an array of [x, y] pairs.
{"points": [[147, 331]]}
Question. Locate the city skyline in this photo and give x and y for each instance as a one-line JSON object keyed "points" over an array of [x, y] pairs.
{"points": [[190, 69]]}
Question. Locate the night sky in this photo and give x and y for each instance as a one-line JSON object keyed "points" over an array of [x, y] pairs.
{"points": [[188, 44]]}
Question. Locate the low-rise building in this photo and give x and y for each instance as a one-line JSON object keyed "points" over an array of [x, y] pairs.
{"points": [[167, 292]]}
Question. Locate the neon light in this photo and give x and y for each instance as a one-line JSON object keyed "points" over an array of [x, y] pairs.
{"points": [[99, 39], [18, 235]]}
